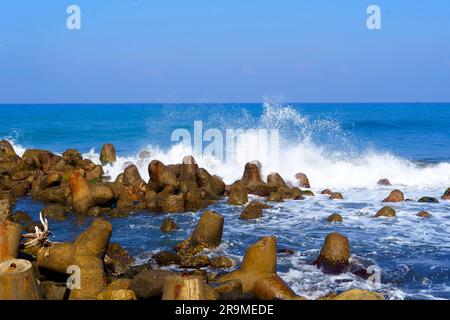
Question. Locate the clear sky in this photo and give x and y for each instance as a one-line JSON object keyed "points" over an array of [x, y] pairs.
{"points": [[224, 51]]}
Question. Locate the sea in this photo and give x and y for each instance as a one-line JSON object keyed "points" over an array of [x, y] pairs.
{"points": [[340, 146]]}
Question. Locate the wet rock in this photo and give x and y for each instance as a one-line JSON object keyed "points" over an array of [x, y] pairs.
{"points": [[94, 240], [72, 157], [193, 201], [238, 194], [303, 180], [259, 261], [446, 195], [336, 196], [385, 212], [54, 194], [173, 203], [275, 197], [55, 212], [335, 217], [122, 212], [210, 182], [92, 278], [290, 193], [119, 284], [166, 258], [384, 182], [335, 253], [327, 191], [357, 294], [149, 284], [395, 196], [229, 287], [108, 154], [264, 190], [96, 212], [33, 159], [424, 214], [195, 262], [118, 258], [7, 151], [273, 287], [21, 175], [208, 231], [308, 193], [253, 210], [21, 217], [428, 200], [53, 290], [5, 210], [275, 179], [162, 175], [95, 174], [132, 178], [21, 188], [221, 262], [168, 225], [251, 177]]}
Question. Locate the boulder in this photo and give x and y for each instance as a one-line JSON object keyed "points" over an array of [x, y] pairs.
{"points": [[424, 214], [108, 154], [336, 196], [72, 157], [303, 180], [357, 294], [132, 178], [166, 258], [184, 288], [210, 182], [335, 253], [21, 175], [53, 290], [196, 262], [428, 200], [5, 210], [275, 197], [251, 177], [307, 193], [7, 151], [55, 212], [95, 174], [253, 210], [21, 217], [335, 217], [149, 283], [119, 284], [57, 257], [94, 240], [173, 204], [384, 182], [446, 195], [96, 212], [395, 196], [327, 191], [275, 179], [385, 212], [238, 194], [259, 261], [208, 231], [194, 201], [162, 175], [229, 287], [92, 278], [221, 262], [264, 190], [124, 295], [55, 194], [118, 259], [168, 225]]}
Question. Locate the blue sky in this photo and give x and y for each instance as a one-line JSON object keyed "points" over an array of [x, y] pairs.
{"points": [[224, 51]]}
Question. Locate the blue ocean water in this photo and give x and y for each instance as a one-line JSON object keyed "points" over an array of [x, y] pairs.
{"points": [[346, 147]]}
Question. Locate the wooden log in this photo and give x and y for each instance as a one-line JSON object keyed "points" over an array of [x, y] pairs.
{"points": [[10, 237], [183, 288], [17, 281]]}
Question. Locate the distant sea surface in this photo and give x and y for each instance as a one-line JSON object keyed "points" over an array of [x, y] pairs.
{"points": [[345, 147]]}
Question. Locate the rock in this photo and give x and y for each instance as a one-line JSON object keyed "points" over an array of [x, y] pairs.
{"points": [[208, 231], [327, 191], [229, 286], [273, 287], [125, 295], [446, 195], [251, 177], [184, 288], [149, 283], [108, 154], [303, 180], [5, 210], [424, 214], [173, 204], [92, 278], [210, 293], [161, 175], [259, 261], [166, 258], [72, 157], [275, 197], [85, 196], [385, 212], [18, 281], [54, 194], [238, 194], [428, 200], [209, 182], [96, 212], [21, 175], [275, 179], [119, 284], [168, 225], [53, 290], [95, 174], [384, 182], [335, 217], [221, 262], [264, 190], [94, 240], [193, 201], [130, 197], [335, 253], [132, 178], [307, 193], [21, 217], [20, 188], [119, 260], [290, 193], [395, 196], [253, 210], [56, 258], [336, 196], [55, 212], [33, 159], [7, 150], [356, 294], [119, 212], [195, 262]]}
